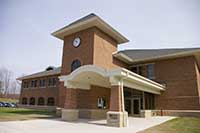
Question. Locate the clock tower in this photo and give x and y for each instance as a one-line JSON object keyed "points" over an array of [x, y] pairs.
{"points": [[89, 44], [89, 41]]}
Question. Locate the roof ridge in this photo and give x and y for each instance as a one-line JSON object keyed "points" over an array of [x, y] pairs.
{"points": [[40, 73]]}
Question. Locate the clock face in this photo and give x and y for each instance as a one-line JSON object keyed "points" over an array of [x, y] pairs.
{"points": [[76, 42]]}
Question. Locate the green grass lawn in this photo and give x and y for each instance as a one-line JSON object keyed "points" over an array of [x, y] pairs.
{"points": [[11, 114], [177, 125]]}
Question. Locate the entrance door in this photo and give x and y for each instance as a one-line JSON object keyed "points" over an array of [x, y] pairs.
{"points": [[136, 106], [128, 104], [132, 106]]}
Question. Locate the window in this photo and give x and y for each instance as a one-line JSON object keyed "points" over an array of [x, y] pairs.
{"points": [[134, 69], [101, 104], [24, 100], [42, 83], [40, 101], [146, 70], [25, 84], [50, 101], [150, 71], [52, 82], [32, 101], [34, 83], [149, 101], [75, 64]]}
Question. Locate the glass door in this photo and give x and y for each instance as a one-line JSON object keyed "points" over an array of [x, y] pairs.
{"points": [[136, 106], [128, 104]]}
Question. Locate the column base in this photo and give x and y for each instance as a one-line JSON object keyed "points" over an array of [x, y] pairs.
{"points": [[58, 112], [145, 113], [117, 119], [70, 114]]}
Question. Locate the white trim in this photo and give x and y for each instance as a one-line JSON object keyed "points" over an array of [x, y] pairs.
{"points": [[179, 54], [94, 21], [122, 56], [115, 76]]}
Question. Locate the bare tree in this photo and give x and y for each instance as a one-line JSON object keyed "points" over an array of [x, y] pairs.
{"points": [[13, 87], [5, 78]]}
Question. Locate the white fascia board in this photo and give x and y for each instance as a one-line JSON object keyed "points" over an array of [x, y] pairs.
{"points": [[133, 77], [123, 57], [141, 87], [56, 33], [91, 22], [126, 58], [185, 53]]}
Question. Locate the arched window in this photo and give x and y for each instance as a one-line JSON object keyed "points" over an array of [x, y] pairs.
{"points": [[24, 100], [40, 101], [32, 101], [51, 101], [75, 64]]}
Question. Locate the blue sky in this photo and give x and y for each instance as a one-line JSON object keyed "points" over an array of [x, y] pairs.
{"points": [[26, 45]]}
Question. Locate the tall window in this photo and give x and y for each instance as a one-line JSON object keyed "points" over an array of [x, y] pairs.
{"points": [[24, 100], [75, 64], [149, 101], [50, 101], [25, 84], [42, 83], [52, 82], [146, 70], [40, 101], [139, 70], [32, 101], [34, 83], [150, 71]]}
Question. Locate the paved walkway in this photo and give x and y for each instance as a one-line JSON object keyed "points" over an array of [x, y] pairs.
{"points": [[81, 126]]}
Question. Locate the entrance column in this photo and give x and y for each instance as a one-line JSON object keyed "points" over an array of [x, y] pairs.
{"points": [[70, 111], [116, 116]]}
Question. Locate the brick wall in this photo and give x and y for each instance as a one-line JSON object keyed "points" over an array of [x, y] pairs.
{"points": [[37, 92], [180, 76], [104, 46], [86, 99], [96, 48], [61, 94]]}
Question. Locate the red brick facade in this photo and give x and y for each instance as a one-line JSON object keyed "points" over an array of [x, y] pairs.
{"points": [[116, 99], [95, 47], [181, 77], [37, 92]]}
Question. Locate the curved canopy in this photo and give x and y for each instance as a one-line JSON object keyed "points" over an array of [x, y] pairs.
{"points": [[87, 75]]}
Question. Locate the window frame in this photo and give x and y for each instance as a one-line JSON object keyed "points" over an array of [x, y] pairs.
{"points": [[50, 103], [152, 75], [140, 67], [52, 81], [74, 64], [30, 101], [42, 83], [25, 84], [39, 100], [34, 83], [24, 101]]}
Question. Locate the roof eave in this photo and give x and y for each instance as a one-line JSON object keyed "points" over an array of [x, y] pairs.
{"points": [[124, 58], [91, 22]]}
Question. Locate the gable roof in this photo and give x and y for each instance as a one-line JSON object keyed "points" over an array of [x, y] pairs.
{"points": [[139, 55], [55, 71], [133, 56], [91, 20]]}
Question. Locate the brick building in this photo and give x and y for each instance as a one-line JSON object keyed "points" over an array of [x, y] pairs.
{"points": [[97, 81]]}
